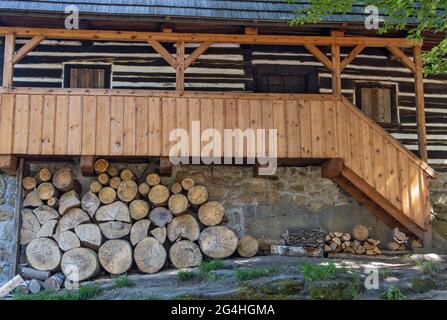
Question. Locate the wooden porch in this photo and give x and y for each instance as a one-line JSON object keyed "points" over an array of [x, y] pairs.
{"points": [[362, 158]]}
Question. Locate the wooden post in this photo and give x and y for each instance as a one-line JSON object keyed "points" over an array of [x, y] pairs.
{"points": [[180, 69], [15, 250], [336, 70], [420, 104], [8, 65]]}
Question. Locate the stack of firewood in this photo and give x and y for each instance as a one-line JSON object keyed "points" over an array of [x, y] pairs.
{"points": [[121, 222], [400, 241], [357, 242]]}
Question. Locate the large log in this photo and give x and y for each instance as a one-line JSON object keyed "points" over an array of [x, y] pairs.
{"points": [[211, 213], [90, 235], [107, 195], [138, 209], [30, 226], [44, 175], [197, 195], [63, 180], [46, 190], [187, 184], [218, 242], [114, 182], [159, 234], [67, 240], [68, 201], [115, 229], [153, 179], [29, 183], [71, 219], [80, 264], [116, 211], [43, 254], [127, 190], [143, 189], [150, 255], [115, 256], [30, 273], [139, 231], [101, 166], [247, 247], [32, 200], [159, 195], [47, 229], [45, 213], [178, 204], [360, 233], [185, 254], [160, 216], [183, 227], [90, 203]]}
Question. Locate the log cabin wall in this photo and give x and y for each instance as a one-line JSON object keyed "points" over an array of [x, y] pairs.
{"points": [[231, 67]]}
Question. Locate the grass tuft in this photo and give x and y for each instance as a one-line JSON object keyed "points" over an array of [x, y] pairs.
{"points": [[86, 292], [187, 275], [314, 272], [124, 281], [250, 274], [393, 293]]}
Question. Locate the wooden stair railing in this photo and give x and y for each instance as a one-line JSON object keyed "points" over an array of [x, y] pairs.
{"points": [[381, 174]]}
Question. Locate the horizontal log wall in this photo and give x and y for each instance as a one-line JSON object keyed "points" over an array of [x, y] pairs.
{"points": [[228, 67]]}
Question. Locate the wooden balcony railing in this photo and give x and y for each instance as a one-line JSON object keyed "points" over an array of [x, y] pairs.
{"points": [[377, 170]]}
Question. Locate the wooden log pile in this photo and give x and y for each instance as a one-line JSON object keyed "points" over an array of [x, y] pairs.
{"points": [[357, 242], [120, 224]]}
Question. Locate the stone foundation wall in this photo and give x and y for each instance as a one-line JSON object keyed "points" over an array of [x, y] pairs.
{"points": [[438, 198], [295, 197], [7, 201]]}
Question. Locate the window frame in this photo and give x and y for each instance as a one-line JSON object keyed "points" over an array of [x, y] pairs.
{"points": [[106, 67], [358, 85]]}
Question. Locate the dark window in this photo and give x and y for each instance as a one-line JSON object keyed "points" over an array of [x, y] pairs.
{"points": [[378, 101], [286, 79], [87, 76]]}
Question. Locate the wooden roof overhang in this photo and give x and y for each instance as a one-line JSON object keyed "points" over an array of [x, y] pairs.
{"points": [[180, 62]]}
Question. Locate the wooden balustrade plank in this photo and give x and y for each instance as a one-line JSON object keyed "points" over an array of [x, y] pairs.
{"points": [[103, 122], [342, 134], [243, 123], [230, 123], [142, 126], [415, 195], [392, 175], [61, 125], [49, 124], [206, 121], [305, 129], [379, 164], [35, 126], [267, 122], [356, 147], [293, 129], [129, 126], [219, 124], [116, 125], [317, 129], [330, 117], [168, 123], [279, 122], [88, 125], [404, 182], [365, 135], [154, 138], [21, 124]]}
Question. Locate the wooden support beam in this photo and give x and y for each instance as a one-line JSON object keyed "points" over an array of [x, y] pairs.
{"points": [[332, 168], [336, 70], [319, 55], [15, 250], [352, 55], [180, 68], [8, 63], [87, 164], [136, 36], [196, 53], [165, 168], [251, 30], [26, 48], [8, 164], [420, 103], [163, 53], [402, 57]]}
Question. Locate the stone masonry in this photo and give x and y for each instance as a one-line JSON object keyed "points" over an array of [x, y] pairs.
{"points": [[438, 198], [7, 200]]}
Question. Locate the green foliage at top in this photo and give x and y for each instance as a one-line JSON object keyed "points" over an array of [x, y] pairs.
{"points": [[417, 17], [316, 272]]}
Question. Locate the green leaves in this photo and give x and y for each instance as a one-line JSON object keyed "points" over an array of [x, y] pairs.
{"points": [[418, 18]]}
